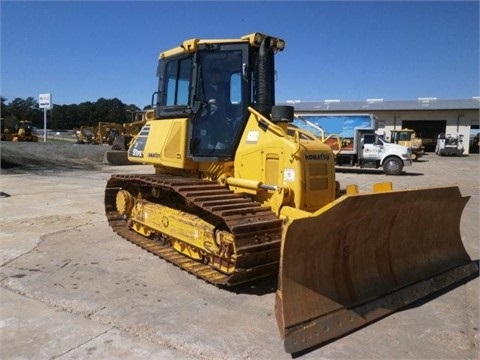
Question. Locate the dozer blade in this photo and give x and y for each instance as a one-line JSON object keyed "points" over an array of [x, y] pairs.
{"points": [[365, 256]]}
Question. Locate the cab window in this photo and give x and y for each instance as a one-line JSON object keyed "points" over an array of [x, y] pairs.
{"points": [[176, 85]]}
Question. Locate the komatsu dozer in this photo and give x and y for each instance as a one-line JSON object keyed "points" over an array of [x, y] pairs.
{"points": [[238, 193]]}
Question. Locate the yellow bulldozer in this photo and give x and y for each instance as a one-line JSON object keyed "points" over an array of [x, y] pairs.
{"points": [[24, 132], [239, 193]]}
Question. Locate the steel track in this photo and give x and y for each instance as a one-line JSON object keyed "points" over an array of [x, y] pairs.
{"points": [[256, 229]]}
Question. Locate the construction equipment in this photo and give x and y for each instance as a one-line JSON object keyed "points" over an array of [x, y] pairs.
{"points": [[129, 130], [239, 193], [408, 138], [107, 132], [118, 154], [355, 142], [24, 131], [102, 133], [6, 134], [86, 134], [448, 145]]}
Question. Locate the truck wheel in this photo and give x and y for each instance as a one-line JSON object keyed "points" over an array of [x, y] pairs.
{"points": [[393, 166]]}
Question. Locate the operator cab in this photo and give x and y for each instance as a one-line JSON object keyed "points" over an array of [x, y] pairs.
{"points": [[221, 97], [213, 85]]}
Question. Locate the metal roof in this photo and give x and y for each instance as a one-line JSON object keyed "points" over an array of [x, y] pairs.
{"points": [[427, 103]]}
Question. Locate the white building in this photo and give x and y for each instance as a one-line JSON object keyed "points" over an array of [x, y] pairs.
{"points": [[429, 117]]}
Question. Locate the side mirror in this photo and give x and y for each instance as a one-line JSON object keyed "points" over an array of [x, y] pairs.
{"points": [[154, 99]]}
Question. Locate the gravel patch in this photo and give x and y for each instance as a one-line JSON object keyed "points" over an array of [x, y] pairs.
{"points": [[21, 156]]}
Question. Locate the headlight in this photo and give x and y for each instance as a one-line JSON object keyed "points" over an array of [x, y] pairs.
{"points": [[408, 155]]}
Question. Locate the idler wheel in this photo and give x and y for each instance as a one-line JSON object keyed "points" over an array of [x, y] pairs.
{"points": [[124, 202]]}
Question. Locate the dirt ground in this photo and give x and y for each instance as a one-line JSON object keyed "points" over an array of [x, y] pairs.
{"points": [[72, 289], [21, 156]]}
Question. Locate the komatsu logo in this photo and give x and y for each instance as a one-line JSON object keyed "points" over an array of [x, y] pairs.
{"points": [[317, 156], [154, 155]]}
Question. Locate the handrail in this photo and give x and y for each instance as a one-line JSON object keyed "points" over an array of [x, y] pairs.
{"points": [[267, 122]]}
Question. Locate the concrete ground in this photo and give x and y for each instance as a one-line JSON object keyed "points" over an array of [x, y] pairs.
{"points": [[72, 289]]}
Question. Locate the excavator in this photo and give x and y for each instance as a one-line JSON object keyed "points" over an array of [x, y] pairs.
{"points": [[238, 193]]}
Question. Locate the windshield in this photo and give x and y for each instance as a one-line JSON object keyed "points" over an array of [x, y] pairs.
{"points": [[384, 140], [222, 93], [403, 136], [176, 82]]}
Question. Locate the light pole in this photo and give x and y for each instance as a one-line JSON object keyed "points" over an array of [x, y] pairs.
{"points": [[131, 114]]}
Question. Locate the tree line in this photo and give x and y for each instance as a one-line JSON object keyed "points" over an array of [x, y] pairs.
{"points": [[66, 117]]}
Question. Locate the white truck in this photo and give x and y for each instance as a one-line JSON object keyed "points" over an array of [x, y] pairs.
{"points": [[354, 142]]}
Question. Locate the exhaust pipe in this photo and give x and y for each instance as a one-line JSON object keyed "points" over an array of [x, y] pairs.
{"points": [[265, 80]]}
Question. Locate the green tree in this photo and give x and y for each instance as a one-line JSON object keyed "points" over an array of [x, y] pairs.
{"points": [[117, 113], [21, 109], [26, 109], [85, 114], [64, 117], [5, 108], [57, 116]]}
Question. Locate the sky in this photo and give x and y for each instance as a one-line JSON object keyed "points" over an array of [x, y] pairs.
{"points": [[349, 50]]}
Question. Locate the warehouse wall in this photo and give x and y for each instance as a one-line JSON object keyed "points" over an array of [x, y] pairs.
{"points": [[458, 122]]}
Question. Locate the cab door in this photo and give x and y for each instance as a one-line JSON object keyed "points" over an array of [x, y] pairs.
{"points": [[372, 147], [221, 114]]}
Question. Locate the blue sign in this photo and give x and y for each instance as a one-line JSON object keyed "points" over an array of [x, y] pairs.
{"points": [[342, 125]]}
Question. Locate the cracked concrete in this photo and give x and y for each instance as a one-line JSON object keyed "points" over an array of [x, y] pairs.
{"points": [[71, 289]]}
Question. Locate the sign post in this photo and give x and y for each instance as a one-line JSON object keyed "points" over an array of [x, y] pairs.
{"points": [[45, 103]]}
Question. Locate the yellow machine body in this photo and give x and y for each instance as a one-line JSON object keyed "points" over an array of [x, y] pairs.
{"points": [[271, 158], [163, 143], [408, 138], [264, 201], [24, 132]]}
